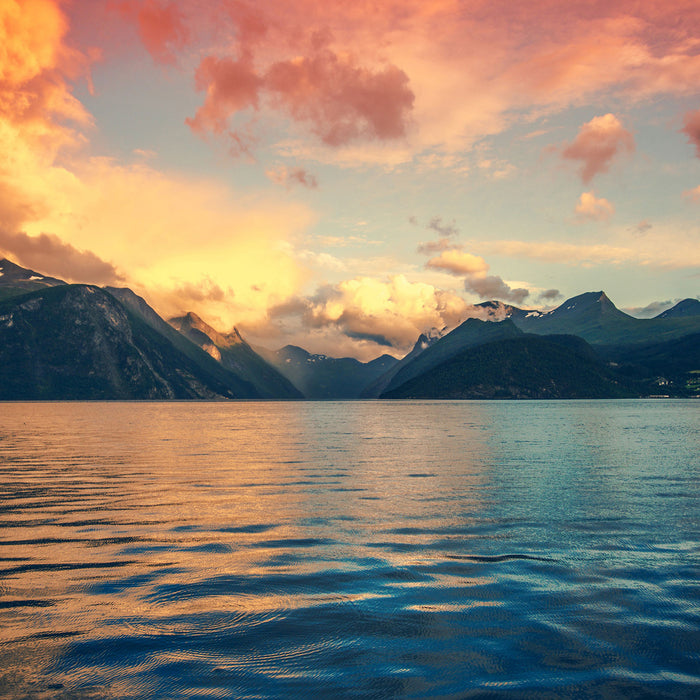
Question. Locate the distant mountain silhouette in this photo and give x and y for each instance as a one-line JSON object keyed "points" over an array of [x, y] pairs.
{"points": [[379, 385], [235, 354], [323, 377]]}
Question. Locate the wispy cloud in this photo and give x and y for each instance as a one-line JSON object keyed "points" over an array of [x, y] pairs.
{"points": [[290, 177]]}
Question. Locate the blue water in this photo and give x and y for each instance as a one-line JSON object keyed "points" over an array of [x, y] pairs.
{"points": [[358, 549]]}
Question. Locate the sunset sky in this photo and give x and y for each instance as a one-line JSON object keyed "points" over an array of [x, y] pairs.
{"points": [[344, 175]]}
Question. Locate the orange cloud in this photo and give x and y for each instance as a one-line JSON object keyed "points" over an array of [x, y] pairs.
{"points": [[457, 262], [598, 142], [693, 195], [87, 219], [592, 208], [51, 255], [34, 66]]}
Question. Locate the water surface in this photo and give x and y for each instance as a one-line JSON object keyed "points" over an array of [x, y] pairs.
{"points": [[350, 549]]}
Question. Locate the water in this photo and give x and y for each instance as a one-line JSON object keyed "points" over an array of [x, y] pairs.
{"points": [[360, 550]]}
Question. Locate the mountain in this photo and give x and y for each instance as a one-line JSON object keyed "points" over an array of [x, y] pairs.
{"points": [[593, 317], [523, 367], [80, 342], [235, 354], [471, 333], [16, 280], [499, 311], [323, 377], [684, 308], [668, 367], [378, 386]]}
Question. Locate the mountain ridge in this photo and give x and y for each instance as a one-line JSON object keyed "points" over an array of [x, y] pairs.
{"points": [[41, 317]]}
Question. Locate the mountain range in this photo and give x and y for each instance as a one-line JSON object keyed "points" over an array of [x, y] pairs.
{"points": [[62, 341]]}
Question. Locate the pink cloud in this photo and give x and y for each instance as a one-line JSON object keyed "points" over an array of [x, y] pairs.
{"points": [[366, 71], [231, 86], [598, 143], [691, 126], [161, 27], [341, 100]]}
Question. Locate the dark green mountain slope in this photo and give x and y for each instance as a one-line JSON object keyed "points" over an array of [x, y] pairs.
{"points": [[323, 377], [191, 349], [78, 342], [235, 354], [16, 280], [525, 367], [379, 385], [669, 367], [593, 317], [469, 334], [684, 308]]}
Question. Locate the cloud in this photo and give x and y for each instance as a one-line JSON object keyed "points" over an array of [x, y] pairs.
{"points": [[372, 75], [693, 195], [231, 86], [341, 100], [283, 175], [643, 226], [431, 247], [161, 26], [652, 309], [493, 287], [206, 290], [691, 126], [661, 247], [457, 262], [446, 230], [597, 144], [338, 99], [474, 268], [592, 208], [49, 255], [388, 312], [35, 65], [549, 295]]}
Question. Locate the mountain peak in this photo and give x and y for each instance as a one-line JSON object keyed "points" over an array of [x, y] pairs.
{"points": [[24, 279], [586, 303], [684, 308]]}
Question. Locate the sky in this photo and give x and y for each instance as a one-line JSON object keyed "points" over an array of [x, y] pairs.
{"points": [[346, 175]]}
